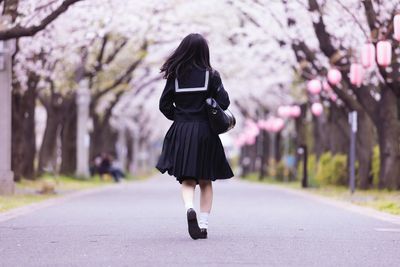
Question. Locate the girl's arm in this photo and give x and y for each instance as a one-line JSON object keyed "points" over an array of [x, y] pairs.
{"points": [[166, 104], [220, 95]]}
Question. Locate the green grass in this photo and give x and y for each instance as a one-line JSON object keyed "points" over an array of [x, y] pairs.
{"points": [[382, 200], [28, 191], [63, 183], [11, 202]]}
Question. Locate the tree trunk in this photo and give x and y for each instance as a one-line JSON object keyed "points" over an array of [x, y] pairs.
{"points": [[23, 140], [47, 151], [252, 153], [278, 146], [110, 138], [68, 137], [365, 143], [129, 151], [245, 160], [264, 154], [338, 130], [388, 135], [29, 152], [103, 138], [95, 137], [17, 139], [301, 132], [320, 135]]}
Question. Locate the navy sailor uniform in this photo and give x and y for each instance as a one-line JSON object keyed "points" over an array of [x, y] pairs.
{"points": [[190, 149]]}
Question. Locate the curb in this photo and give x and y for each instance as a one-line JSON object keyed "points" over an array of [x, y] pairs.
{"points": [[366, 211]]}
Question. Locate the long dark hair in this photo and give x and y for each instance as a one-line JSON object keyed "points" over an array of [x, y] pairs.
{"points": [[193, 51]]}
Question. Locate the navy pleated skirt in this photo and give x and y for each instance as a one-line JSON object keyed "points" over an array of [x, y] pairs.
{"points": [[192, 151]]}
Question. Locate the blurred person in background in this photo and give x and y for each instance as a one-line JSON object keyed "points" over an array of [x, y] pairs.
{"points": [[107, 167]]}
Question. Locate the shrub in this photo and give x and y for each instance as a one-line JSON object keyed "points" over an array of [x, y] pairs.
{"points": [[339, 170], [375, 165], [324, 169], [312, 168], [299, 171], [280, 171]]}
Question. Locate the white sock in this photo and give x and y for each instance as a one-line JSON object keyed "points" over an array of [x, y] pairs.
{"points": [[203, 220], [189, 205]]}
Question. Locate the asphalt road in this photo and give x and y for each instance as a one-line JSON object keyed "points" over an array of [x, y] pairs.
{"points": [[143, 224]]}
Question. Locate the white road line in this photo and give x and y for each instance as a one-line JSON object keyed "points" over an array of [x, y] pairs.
{"points": [[388, 230], [366, 211]]}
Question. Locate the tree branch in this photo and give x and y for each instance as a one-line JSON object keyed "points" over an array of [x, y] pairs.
{"points": [[125, 77], [99, 60], [242, 110], [19, 31], [111, 106], [371, 15], [147, 83], [119, 47], [323, 36]]}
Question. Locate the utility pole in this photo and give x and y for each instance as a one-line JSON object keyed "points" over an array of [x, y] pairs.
{"points": [[352, 159], [7, 49], [302, 151]]}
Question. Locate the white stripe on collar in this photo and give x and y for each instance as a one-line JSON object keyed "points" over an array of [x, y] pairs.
{"points": [[194, 89]]}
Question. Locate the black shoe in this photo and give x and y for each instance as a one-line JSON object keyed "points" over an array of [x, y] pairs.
{"points": [[203, 232], [193, 227]]}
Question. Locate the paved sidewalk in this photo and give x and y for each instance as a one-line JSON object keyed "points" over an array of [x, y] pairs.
{"points": [[143, 224]]}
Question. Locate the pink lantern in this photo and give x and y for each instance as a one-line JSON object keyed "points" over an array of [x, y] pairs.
{"points": [[384, 53], [254, 131], [317, 109], [356, 74], [250, 123], [277, 124], [268, 125], [368, 55], [261, 124], [284, 111], [396, 25], [295, 111], [252, 126], [250, 139], [271, 125], [314, 86], [240, 140], [334, 76]]}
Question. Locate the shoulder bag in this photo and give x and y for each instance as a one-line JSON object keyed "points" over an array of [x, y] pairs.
{"points": [[220, 120]]}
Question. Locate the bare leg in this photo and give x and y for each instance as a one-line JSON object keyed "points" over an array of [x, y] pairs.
{"points": [[188, 187], [206, 196]]}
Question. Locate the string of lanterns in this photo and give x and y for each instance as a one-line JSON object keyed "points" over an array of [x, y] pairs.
{"points": [[370, 55], [381, 54]]}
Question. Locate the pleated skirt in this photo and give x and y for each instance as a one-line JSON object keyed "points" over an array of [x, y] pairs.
{"points": [[192, 151]]}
